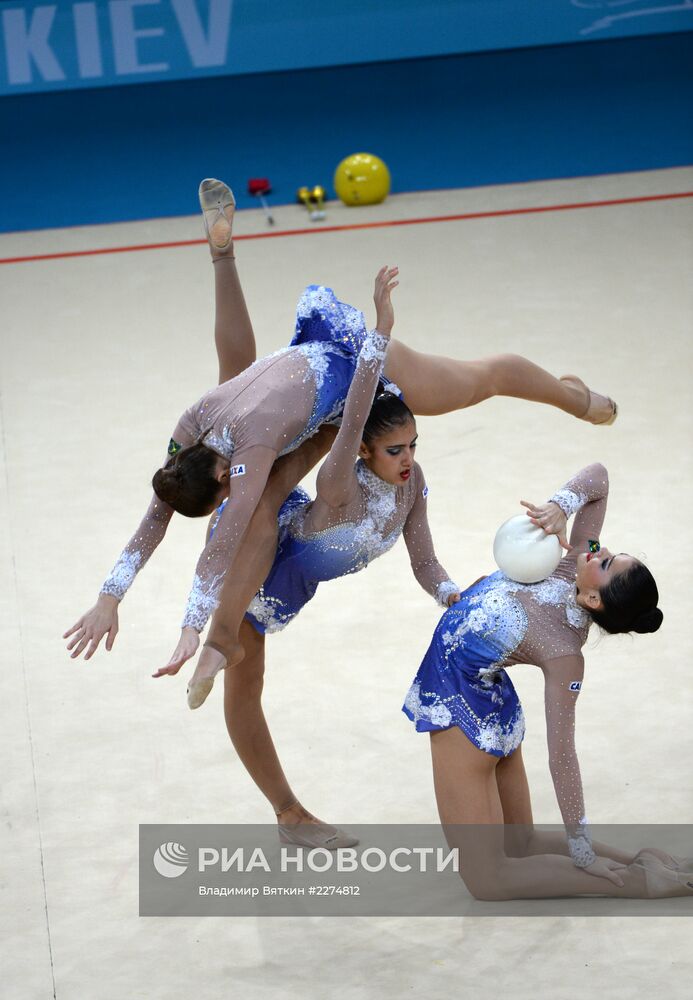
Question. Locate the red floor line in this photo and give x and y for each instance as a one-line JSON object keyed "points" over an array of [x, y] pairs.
{"points": [[569, 206]]}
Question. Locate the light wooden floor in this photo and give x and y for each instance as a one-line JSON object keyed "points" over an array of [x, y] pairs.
{"points": [[99, 356]]}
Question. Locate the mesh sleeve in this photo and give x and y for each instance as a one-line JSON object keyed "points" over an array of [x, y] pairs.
{"points": [[153, 525], [150, 532], [417, 537], [336, 482], [563, 680], [248, 479], [585, 495]]}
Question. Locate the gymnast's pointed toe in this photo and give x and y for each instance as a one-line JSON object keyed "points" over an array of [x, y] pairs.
{"points": [[218, 205], [198, 691], [601, 410]]}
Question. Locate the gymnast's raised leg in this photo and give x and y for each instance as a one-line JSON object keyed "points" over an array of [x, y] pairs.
{"points": [[433, 384]]}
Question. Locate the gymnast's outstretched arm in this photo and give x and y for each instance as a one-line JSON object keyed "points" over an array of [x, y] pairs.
{"points": [[235, 346], [336, 483], [429, 573]]}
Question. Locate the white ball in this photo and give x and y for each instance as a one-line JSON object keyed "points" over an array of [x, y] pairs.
{"points": [[524, 552]]}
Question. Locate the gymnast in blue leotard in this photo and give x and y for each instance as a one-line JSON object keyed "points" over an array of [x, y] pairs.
{"points": [[369, 492]]}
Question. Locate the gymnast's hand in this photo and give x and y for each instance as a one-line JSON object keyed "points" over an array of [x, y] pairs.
{"points": [[384, 313], [551, 518], [186, 648], [453, 599], [90, 629], [606, 868]]}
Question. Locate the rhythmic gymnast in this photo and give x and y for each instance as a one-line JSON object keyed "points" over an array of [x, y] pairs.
{"points": [[226, 444], [361, 509], [463, 696]]}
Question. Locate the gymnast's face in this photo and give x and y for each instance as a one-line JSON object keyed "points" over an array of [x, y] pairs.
{"points": [[594, 571], [391, 455]]}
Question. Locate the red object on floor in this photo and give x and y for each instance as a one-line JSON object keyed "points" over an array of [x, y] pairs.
{"points": [[259, 185]]}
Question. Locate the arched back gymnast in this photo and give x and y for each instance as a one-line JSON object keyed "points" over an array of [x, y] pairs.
{"points": [[463, 696]]}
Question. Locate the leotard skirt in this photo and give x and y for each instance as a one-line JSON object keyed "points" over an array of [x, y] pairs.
{"points": [[331, 334], [460, 683]]}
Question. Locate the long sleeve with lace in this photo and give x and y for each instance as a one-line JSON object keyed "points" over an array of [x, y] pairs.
{"points": [[557, 628], [562, 683], [149, 534], [336, 482], [248, 479], [417, 537], [151, 529], [585, 496]]}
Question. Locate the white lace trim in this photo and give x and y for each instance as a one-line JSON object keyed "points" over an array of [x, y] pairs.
{"points": [[381, 503], [312, 299], [487, 732], [119, 580], [554, 591], [266, 611], [203, 599], [445, 588], [580, 848], [437, 713], [315, 352], [374, 348], [569, 501]]}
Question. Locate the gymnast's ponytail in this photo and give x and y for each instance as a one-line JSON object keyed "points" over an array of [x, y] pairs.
{"points": [[630, 602], [187, 482]]}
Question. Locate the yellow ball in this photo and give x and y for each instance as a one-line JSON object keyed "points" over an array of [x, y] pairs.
{"points": [[362, 179]]}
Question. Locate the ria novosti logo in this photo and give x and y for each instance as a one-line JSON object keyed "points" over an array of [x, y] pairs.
{"points": [[171, 860]]}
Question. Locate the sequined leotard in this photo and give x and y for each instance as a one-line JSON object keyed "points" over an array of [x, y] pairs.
{"points": [[462, 681], [266, 411], [355, 517]]}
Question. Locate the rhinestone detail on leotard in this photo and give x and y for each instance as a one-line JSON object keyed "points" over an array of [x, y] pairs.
{"points": [[123, 573]]}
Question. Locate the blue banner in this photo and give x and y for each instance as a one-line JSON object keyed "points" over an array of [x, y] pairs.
{"points": [[101, 43]]}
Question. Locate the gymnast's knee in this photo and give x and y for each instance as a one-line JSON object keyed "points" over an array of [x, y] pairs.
{"points": [[498, 367]]}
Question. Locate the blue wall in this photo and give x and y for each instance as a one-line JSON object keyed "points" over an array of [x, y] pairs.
{"points": [[63, 44], [105, 155]]}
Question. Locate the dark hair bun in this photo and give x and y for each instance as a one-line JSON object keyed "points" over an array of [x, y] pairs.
{"points": [[649, 621], [188, 481], [166, 484]]}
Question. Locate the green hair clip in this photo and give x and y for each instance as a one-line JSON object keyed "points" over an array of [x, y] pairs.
{"points": [[174, 447], [593, 545]]}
